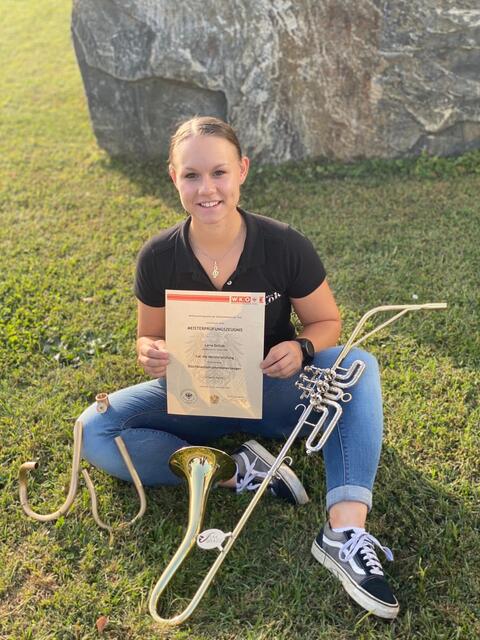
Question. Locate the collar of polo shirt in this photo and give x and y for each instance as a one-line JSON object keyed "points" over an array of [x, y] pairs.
{"points": [[253, 252]]}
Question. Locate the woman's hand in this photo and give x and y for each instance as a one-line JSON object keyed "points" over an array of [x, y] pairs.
{"points": [[153, 356], [283, 360]]}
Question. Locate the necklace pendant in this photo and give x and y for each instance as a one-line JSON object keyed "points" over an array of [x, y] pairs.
{"points": [[215, 271]]}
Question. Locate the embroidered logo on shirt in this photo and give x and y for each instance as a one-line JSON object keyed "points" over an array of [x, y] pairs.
{"points": [[271, 297]]}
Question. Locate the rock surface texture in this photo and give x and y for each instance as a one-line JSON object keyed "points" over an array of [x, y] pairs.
{"points": [[339, 79]]}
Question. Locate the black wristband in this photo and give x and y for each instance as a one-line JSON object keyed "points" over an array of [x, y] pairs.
{"points": [[308, 350]]}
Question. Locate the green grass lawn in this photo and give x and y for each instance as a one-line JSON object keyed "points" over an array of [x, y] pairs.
{"points": [[72, 221]]}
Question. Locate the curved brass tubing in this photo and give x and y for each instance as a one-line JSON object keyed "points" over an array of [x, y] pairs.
{"points": [[201, 467], [72, 492], [138, 486]]}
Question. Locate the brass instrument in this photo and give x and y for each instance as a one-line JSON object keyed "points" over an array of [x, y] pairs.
{"points": [[201, 466], [72, 492], [324, 389]]}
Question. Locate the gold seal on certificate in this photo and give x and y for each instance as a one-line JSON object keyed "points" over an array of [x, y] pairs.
{"points": [[215, 341]]}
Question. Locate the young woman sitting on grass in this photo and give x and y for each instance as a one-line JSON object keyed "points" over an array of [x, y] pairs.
{"points": [[220, 246]]}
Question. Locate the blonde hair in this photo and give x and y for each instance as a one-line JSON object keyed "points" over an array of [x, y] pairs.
{"points": [[203, 126]]}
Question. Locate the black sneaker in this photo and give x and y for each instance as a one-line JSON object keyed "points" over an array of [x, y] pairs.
{"points": [[351, 557], [254, 462]]}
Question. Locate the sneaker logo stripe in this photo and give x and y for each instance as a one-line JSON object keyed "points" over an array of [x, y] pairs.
{"points": [[351, 562]]}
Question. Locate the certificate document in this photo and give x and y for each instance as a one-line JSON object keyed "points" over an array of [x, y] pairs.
{"points": [[215, 341]]}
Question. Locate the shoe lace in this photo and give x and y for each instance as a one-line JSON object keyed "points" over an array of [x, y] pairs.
{"points": [[251, 474], [365, 543]]}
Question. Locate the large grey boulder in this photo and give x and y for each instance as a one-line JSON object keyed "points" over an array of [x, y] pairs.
{"points": [[297, 78]]}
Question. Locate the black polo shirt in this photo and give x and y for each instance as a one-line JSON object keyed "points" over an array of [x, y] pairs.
{"points": [[276, 260]]}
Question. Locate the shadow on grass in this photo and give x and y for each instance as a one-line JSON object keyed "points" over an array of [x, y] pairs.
{"points": [[151, 178]]}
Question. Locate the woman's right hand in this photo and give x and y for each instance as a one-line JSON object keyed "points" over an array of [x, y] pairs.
{"points": [[153, 356]]}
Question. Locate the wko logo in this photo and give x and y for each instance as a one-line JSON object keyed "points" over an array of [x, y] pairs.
{"points": [[248, 299]]}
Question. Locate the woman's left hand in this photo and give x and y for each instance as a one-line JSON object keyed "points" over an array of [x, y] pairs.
{"points": [[283, 360]]}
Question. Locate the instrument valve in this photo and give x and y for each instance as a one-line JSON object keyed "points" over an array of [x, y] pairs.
{"points": [[329, 374], [322, 387]]}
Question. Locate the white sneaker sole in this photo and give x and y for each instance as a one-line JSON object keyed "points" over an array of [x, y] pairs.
{"points": [[361, 597], [287, 475]]}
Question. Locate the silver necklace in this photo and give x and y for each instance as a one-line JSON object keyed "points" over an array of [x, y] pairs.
{"points": [[216, 271]]}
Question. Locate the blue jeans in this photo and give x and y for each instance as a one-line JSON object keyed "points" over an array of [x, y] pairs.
{"points": [[139, 415]]}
